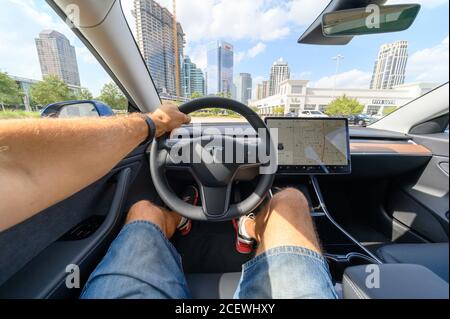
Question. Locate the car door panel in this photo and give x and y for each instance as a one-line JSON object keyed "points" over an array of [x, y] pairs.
{"points": [[34, 254], [421, 201]]}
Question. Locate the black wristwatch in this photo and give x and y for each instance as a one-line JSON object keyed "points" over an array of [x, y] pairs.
{"points": [[151, 128]]}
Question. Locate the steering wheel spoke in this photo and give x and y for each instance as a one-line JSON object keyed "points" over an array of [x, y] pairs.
{"points": [[215, 200]]}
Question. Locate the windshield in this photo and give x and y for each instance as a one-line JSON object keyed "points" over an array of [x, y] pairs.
{"points": [[247, 50], [242, 49]]}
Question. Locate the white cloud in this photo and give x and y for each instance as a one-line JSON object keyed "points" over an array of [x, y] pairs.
{"points": [[256, 50], [85, 55], [43, 19], [239, 56], [197, 53], [13, 49], [355, 79], [251, 53], [430, 64], [303, 12]]}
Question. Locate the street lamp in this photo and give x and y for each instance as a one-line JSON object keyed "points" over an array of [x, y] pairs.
{"points": [[338, 59]]}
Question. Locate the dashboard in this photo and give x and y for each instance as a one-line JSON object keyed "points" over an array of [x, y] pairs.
{"points": [[311, 145], [374, 153]]}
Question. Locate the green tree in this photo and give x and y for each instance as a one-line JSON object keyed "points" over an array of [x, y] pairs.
{"points": [[111, 95], [278, 110], [344, 106], [84, 94], [196, 95], [388, 110], [9, 91], [224, 94], [50, 90]]}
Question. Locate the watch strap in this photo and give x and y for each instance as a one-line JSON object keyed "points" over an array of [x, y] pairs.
{"points": [[151, 128]]}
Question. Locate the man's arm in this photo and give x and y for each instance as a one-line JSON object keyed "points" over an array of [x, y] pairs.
{"points": [[44, 161]]}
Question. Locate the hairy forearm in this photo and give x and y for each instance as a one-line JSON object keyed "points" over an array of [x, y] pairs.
{"points": [[43, 161]]}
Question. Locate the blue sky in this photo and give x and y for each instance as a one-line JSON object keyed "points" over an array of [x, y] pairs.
{"points": [[261, 32]]}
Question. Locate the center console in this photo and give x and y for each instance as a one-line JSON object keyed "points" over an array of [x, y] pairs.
{"points": [[339, 247], [308, 147]]}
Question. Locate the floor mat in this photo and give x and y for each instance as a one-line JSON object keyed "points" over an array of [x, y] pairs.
{"points": [[210, 248]]}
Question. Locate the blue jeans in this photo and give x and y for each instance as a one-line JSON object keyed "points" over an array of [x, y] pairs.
{"points": [[142, 263]]}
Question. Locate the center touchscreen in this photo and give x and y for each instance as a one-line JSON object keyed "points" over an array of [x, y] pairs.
{"points": [[312, 145]]}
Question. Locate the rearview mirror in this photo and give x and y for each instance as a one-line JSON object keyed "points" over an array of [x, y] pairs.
{"points": [[372, 19]]}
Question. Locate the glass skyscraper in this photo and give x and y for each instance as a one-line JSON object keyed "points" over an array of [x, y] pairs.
{"points": [[243, 83], [155, 38], [193, 80], [220, 67]]}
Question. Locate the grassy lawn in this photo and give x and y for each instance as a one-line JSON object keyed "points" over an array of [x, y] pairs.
{"points": [[17, 114]]}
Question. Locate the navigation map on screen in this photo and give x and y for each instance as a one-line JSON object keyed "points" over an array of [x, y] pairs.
{"points": [[311, 142]]}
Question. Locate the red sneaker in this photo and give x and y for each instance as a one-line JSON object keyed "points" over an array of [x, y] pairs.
{"points": [[244, 243], [190, 196]]}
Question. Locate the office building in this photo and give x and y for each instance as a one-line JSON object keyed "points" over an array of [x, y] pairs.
{"points": [[155, 38], [390, 66], [25, 85], [220, 67], [243, 84], [295, 96], [279, 72], [193, 80], [262, 90], [57, 57]]}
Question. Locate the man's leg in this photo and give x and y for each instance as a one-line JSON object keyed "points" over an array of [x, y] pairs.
{"points": [[288, 261], [141, 262]]}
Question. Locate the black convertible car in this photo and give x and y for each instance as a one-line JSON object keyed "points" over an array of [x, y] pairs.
{"points": [[379, 195]]}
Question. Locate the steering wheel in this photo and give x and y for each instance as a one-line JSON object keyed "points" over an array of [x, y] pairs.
{"points": [[214, 177]]}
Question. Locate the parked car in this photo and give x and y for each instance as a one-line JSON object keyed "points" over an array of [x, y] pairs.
{"points": [[77, 108], [360, 119], [312, 114]]}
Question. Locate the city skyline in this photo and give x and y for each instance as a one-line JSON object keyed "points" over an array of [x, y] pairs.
{"points": [[254, 52]]}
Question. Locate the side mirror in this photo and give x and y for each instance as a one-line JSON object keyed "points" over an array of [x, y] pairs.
{"points": [[71, 109], [372, 19]]}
